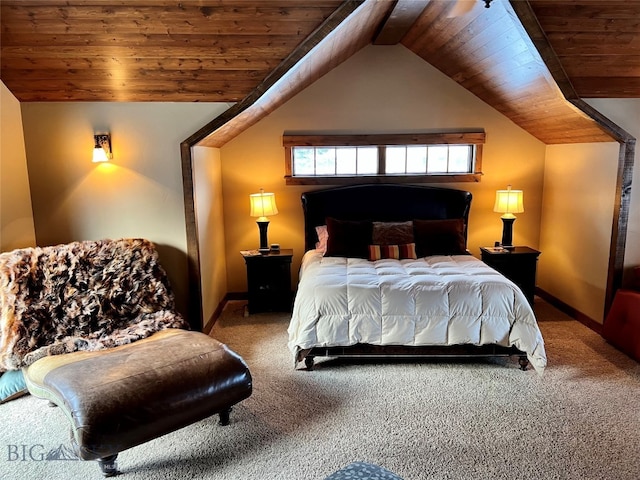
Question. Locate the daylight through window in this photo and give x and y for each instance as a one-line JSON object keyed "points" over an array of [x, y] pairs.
{"points": [[398, 158]]}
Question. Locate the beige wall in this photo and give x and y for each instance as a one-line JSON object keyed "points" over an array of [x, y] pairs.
{"points": [[209, 212], [381, 89], [625, 112], [16, 217], [138, 194], [577, 214]]}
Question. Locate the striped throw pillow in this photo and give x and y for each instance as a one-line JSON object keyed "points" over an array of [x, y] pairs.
{"points": [[399, 252]]}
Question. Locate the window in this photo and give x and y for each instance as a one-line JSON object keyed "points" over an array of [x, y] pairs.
{"points": [[335, 159]]}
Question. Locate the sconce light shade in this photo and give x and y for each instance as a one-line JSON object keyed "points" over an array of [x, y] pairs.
{"points": [[508, 202], [263, 205], [102, 148]]}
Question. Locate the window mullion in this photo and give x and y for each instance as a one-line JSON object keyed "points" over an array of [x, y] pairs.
{"points": [[406, 159], [315, 161]]}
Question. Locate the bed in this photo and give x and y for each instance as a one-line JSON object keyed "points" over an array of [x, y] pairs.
{"points": [[386, 273]]}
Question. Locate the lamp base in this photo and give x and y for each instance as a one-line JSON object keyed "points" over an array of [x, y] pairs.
{"points": [[264, 244], [507, 232]]}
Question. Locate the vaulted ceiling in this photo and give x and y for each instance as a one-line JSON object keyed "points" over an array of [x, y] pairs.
{"points": [[242, 50]]}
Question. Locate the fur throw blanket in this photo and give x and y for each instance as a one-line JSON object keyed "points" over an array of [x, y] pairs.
{"points": [[81, 296]]}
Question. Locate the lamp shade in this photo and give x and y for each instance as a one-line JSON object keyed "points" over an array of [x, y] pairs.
{"points": [[509, 201], [263, 204]]}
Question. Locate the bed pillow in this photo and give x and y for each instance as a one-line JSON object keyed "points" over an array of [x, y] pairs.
{"points": [[348, 238], [323, 236], [439, 237], [399, 252], [12, 385], [392, 233]]}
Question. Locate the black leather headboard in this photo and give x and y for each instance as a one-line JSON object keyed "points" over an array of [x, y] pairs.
{"points": [[384, 203]]}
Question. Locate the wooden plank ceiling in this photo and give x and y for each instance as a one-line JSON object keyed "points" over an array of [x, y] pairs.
{"points": [[149, 50], [597, 43], [487, 51], [223, 50]]}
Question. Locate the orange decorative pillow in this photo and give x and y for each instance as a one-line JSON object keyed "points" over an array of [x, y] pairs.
{"points": [[399, 252]]}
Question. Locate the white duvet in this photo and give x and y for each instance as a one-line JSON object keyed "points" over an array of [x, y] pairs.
{"points": [[438, 300]]}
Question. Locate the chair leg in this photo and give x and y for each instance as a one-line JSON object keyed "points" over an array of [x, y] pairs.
{"points": [[224, 417], [108, 465]]}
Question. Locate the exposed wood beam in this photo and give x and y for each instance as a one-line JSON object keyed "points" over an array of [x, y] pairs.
{"points": [[402, 17]]}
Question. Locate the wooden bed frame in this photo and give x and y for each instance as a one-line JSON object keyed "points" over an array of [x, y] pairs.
{"points": [[391, 203]]}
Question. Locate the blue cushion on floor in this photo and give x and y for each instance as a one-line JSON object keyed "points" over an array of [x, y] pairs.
{"points": [[12, 385], [362, 470]]}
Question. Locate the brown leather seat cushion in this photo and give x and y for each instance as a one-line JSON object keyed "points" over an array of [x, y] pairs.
{"points": [[122, 397]]}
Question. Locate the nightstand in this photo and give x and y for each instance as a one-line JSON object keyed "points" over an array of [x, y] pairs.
{"points": [[269, 281], [518, 264]]}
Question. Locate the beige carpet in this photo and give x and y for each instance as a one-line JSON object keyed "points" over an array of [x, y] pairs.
{"points": [[420, 420]]}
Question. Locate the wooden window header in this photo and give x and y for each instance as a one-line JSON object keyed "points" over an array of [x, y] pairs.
{"points": [[474, 138]]}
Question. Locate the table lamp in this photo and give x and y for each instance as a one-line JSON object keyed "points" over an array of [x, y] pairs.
{"points": [[263, 205], [508, 202]]}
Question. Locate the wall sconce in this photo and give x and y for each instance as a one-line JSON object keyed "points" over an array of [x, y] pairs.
{"points": [[263, 205], [102, 148], [508, 202]]}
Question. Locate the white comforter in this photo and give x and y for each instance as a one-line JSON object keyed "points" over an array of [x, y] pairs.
{"points": [[439, 300]]}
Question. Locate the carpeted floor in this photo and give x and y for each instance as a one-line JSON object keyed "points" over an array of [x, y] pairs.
{"points": [[418, 419]]}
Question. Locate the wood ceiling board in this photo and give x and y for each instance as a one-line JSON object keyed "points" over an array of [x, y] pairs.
{"points": [[214, 17], [587, 9], [121, 90], [216, 51], [354, 33], [486, 34], [594, 65], [400, 20], [516, 69], [595, 41], [608, 87], [609, 43], [436, 31], [488, 52], [146, 64], [141, 41]]}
